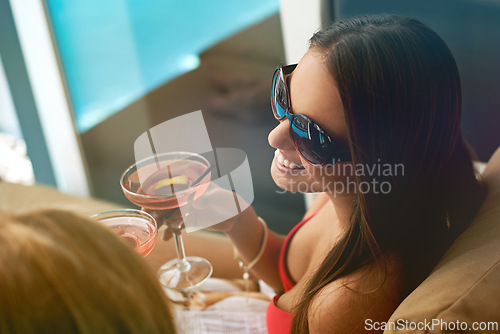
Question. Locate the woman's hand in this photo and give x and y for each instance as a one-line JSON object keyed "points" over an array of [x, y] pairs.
{"points": [[217, 210]]}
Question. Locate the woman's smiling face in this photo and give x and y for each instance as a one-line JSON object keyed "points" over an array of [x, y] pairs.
{"points": [[313, 93]]}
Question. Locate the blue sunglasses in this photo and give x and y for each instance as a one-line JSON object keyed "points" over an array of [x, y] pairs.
{"points": [[309, 139]]}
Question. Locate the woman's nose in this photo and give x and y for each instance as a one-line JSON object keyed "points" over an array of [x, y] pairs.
{"points": [[279, 137]]}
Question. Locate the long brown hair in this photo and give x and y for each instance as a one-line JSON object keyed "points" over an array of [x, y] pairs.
{"points": [[63, 273], [401, 93]]}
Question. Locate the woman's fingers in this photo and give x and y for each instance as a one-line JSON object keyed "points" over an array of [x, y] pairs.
{"points": [[167, 235]]}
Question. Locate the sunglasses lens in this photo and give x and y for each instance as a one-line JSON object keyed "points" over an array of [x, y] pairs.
{"points": [[279, 95], [310, 140]]}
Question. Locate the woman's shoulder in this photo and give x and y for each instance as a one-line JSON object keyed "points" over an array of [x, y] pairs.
{"points": [[346, 305]]}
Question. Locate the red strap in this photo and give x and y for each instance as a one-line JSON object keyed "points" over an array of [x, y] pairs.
{"points": [[288, 282]]}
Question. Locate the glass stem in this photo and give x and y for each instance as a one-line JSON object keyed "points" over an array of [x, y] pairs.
{"points": [[182, 263]]}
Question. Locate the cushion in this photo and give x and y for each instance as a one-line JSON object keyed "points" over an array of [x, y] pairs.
{"points": [[17, 198], [465, 284]]}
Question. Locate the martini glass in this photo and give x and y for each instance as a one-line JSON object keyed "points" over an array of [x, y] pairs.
{"points": [[137, 228], [162, 184]]}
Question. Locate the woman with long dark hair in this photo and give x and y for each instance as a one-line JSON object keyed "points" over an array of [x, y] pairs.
{"points": [[400, 94], [370, 119]]}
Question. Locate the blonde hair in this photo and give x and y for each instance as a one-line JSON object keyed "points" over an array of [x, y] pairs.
{"points": [[63, 273]]}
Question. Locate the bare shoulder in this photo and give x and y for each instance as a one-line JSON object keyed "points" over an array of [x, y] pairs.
{"points": [[369, 294], [492, 169]]}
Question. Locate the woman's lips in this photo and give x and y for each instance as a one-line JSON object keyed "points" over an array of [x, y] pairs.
{"points": [[284, 164]]}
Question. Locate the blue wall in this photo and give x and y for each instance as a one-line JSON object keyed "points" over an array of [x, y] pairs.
{"points": [[115, 51]]}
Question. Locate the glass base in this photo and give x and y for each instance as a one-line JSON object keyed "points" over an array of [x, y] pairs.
{"points": [[175, 276]]}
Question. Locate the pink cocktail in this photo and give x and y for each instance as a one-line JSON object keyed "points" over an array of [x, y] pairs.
{"points": [[162, 184], [136, 228]]}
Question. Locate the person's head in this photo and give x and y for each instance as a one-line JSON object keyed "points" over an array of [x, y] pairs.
{"points": [[386, 89], [312, 93], [63, 273]]}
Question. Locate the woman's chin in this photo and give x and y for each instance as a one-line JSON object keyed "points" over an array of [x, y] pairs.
{"points": [[304, 181], [291, 182], [282, 180]]}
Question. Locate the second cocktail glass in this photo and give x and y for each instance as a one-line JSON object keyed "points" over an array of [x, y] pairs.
{"points": [[162, 184]]}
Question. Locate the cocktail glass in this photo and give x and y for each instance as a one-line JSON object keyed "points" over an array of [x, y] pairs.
{"points": [[137, 228], [162, 184]]}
